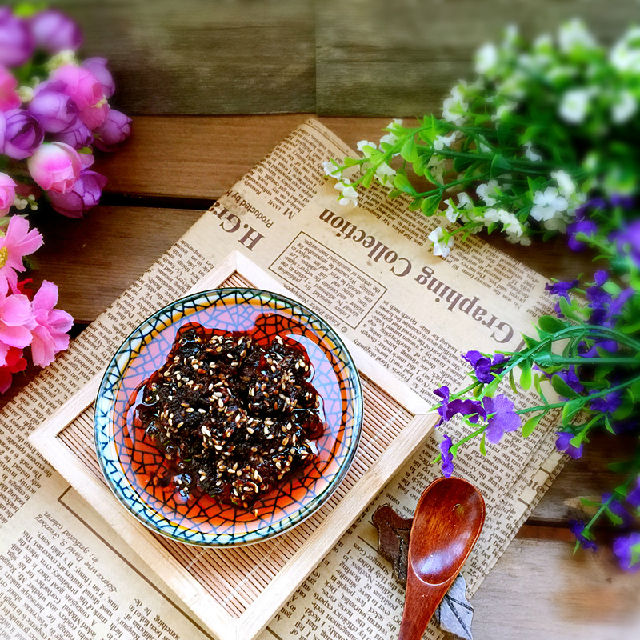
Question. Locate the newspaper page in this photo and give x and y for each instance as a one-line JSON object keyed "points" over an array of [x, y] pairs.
{"points": [[64, 574]]}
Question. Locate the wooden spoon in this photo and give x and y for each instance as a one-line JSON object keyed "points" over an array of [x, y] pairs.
{"points": [[446, 525]]}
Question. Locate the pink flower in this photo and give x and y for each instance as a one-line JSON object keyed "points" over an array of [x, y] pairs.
{"points": [[53, 31], [16, 318], [95, 115], [50, 333], [19, 241], [85, 194], [55, 166], [114, 130], [86, 91], [98, 67], [7, 193], [8, 97]]}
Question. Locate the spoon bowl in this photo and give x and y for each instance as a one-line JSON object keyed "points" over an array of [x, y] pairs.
{"points": [[446, 525]]}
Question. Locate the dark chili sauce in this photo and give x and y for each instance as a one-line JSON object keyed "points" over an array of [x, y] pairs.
{"points": [[232, 415]]}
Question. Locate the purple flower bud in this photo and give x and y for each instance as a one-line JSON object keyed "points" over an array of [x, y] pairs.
{"points": [[627, 551], [606, 404], [616, 508], [577, 528], [114, 130], [54, 31], [628, 240], [84, 194], [621, 200], [561, 288], [98, 68], [23, 134], [563, 443], [590, 205], [583, 226], [570, 376], [600, 277], [53, 108], [633, 497], [447, 456], [449, 408], [78, 135], [16, 43], [481, 365]]}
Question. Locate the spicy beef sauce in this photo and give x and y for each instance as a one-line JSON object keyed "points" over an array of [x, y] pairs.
{"points": [[233, 416]]}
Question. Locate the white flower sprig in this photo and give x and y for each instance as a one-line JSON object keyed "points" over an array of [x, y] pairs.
{"points": [[517, 148]]}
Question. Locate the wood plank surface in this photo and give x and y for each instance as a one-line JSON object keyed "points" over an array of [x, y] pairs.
{"points": [[237, 56], [375, 57], [362, 57], [539, 591]]}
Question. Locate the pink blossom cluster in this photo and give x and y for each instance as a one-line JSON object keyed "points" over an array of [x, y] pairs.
{"points": [[27, 319], [53, 124]]}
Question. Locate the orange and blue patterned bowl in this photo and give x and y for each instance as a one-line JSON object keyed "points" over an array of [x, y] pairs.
{"points": [[129, 460]]}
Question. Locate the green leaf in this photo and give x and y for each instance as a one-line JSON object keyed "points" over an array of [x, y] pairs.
{"points": [[529, 426], [512, 381], [402, 183], [430, 205], [367, 178], [483, 444], [491, 388], [568, 309], [571, 410], [499, 165], [538, 387], [409, 150], [551, 324], [525, 376], [562, 388]]}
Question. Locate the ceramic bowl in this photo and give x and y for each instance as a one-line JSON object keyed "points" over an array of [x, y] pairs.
{"points": [[129, 460]]}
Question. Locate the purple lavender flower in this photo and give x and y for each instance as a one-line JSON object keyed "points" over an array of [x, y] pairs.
{"points": [[590, 205], [622, 200], [633, 497], [98, 68], [114, 130], [448, 409], [561, 288], [16, 42], [583, 226], [447, 456], [563, 443], [616, 508], [54, 31], [78, 135], [53, 108], [627, 551], [504, 417], [570, 376], [22, 134], [481, 365], [499, 362], [84, 194], [628, 240], [577, 528], [606, 404]]}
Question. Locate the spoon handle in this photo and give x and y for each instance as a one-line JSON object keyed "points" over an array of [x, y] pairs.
{"points": [[420, 603]]}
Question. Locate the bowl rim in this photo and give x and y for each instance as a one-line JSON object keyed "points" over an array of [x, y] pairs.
{"points": [[212, 539]]}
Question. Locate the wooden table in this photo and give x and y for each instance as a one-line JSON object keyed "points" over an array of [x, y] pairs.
{"points": [[174, 60]]}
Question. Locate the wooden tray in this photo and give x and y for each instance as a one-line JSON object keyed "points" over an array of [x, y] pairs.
{"points": [[236, 591]]}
